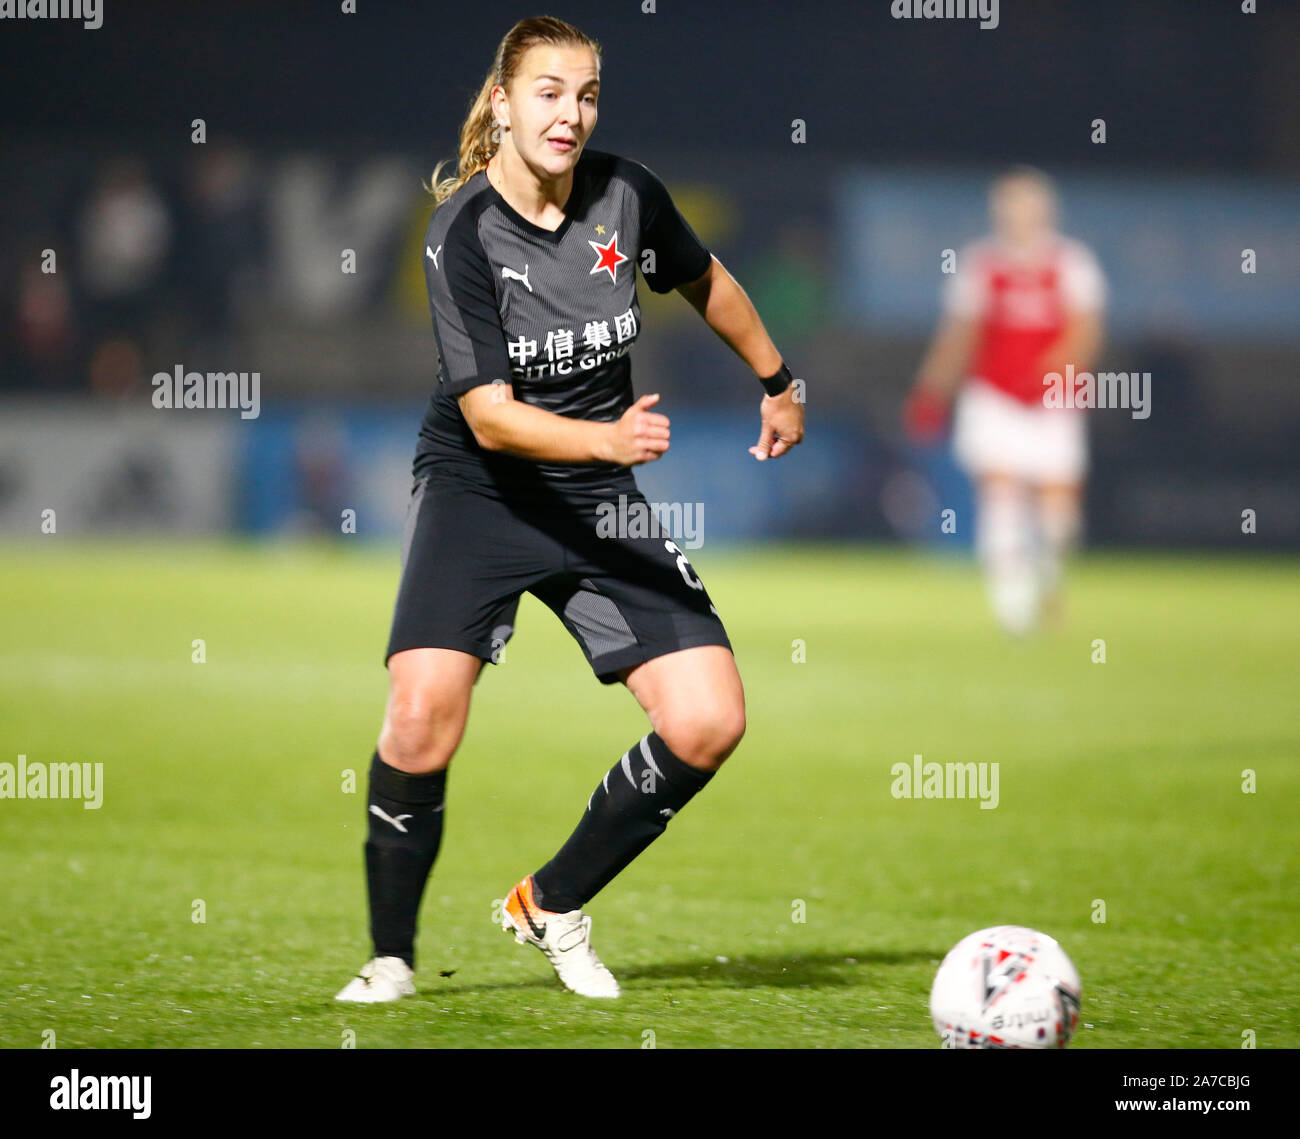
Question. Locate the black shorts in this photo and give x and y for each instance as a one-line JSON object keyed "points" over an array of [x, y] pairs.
{"points": [[468, 556]]}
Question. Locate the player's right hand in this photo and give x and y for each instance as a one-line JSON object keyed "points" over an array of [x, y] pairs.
{"points": [[925, 415], [640, 435]]}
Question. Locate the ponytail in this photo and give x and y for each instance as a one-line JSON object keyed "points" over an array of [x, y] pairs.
{"points": [[480, 134]]}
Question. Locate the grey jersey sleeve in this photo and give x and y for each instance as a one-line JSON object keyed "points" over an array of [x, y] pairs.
{"points": [[679, 256], [463, 303]]}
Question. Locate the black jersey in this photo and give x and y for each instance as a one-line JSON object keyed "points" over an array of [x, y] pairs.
{"points": [[552, 313]]}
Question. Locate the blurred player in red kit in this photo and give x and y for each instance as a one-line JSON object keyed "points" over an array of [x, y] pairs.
{"points": [[1023, 303]]}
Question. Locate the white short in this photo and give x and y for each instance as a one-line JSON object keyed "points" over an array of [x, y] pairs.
{"points": [[994, 433]]}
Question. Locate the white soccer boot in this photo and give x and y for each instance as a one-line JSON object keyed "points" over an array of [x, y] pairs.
{"points": [[564, 938], [380, 979]]}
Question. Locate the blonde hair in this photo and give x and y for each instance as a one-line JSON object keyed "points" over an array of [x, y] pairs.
{"points": [[1028, 174], [480, 136]]}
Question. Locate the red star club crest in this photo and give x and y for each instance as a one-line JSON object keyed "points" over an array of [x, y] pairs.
{"points": [[608, 257]]}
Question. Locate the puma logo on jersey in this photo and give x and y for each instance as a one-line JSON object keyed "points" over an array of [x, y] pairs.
{"points": [[510, 274], [433, 254]]}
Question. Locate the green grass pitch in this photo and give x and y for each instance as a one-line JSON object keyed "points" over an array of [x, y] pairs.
{"points": [[1120, 782]]}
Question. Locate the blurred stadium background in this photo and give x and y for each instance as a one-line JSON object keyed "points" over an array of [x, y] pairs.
{"points": [[1121, 783], [225, 256]]}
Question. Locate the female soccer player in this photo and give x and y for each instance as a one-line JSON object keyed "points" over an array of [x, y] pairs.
{"points": [[530, 259], [1022, 305]]}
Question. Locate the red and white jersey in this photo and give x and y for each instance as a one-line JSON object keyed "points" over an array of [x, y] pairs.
{"points": [[1021, 302]]}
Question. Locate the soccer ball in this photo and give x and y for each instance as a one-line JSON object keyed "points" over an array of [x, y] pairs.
{"points": [[1006, 987]]}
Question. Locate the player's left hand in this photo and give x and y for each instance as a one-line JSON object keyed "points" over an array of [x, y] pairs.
{"points": [[782, 418]]}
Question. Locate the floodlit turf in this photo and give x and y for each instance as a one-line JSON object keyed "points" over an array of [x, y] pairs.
{"points": [[1119, 783]]}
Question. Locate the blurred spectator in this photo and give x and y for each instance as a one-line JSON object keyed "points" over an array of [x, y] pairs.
{"points": [[43, 336], [223, 237], [124, 235]]}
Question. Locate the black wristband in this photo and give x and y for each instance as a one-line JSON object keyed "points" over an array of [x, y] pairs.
{"points": [[775, 385]]}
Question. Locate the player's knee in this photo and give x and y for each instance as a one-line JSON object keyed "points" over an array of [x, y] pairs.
{"points": [[421, 731], [705, 734]]}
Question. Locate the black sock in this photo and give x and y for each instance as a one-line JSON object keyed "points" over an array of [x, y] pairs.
{"points": [[400, 848], [625, 814]]}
